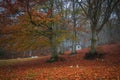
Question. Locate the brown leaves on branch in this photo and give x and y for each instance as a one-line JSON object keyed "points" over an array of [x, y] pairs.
{"points": [[24, 35]]}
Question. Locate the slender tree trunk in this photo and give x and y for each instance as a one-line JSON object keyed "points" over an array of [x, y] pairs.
{"points": [[73, 47], [30, 53], [60, 48], [74, 29]]}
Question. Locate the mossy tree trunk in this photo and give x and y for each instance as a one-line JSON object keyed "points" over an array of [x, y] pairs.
{"points": [[93, 41], [54, 54], [52, 36]]}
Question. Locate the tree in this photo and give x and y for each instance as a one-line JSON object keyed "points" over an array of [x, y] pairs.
{"points": [[34, 29], [74, 27], [98, 12]]}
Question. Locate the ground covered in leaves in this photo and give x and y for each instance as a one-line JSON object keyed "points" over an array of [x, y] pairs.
{"points": [[74, 67]]}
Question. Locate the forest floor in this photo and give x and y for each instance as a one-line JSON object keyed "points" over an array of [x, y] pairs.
{"points": [[74, 67]]}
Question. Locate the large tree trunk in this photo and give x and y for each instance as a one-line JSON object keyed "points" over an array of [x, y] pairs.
{"points": [[92, 54], [93, 41], [54, 54]]}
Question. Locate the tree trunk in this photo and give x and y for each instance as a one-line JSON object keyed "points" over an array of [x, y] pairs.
{"points": [[30, 53], [93, 42], [74, 28], [73, 47], [92, 54], [60, 48], [54, 54]]}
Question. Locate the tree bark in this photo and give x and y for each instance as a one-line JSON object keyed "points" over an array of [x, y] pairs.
{"points": [[74, 28], [30, 53], [73, 47], [54, 54], [60, 48], [93, 41]]}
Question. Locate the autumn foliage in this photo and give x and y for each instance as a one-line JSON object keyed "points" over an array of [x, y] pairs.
{"points": [[30, 30], [35, 24], [72, 68]]}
